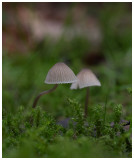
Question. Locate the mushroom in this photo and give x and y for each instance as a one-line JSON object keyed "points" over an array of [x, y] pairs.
{"points": [[58, 74], [86, 78]]}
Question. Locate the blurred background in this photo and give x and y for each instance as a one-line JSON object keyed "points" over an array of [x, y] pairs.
{"points": [[35, 36]]}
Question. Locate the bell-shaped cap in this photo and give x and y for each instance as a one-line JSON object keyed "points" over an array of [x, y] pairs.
{"points": [[60, 73], [86, 78]]}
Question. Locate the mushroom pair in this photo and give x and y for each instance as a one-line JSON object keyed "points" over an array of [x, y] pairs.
{"points": [[60, 73]]}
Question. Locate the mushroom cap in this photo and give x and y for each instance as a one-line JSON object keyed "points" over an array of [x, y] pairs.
{"points": [[60, 73], [86, 78]]}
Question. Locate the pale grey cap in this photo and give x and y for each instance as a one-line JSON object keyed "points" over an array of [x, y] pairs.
{"points": [[86, 78], [60, 73]]}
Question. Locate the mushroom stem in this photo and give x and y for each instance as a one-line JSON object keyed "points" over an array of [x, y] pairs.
{"points": [[42, 93], [86, 102]]}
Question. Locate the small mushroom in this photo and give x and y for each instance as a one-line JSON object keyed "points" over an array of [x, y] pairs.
{"points": [[86, 78], [58, 74]]}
